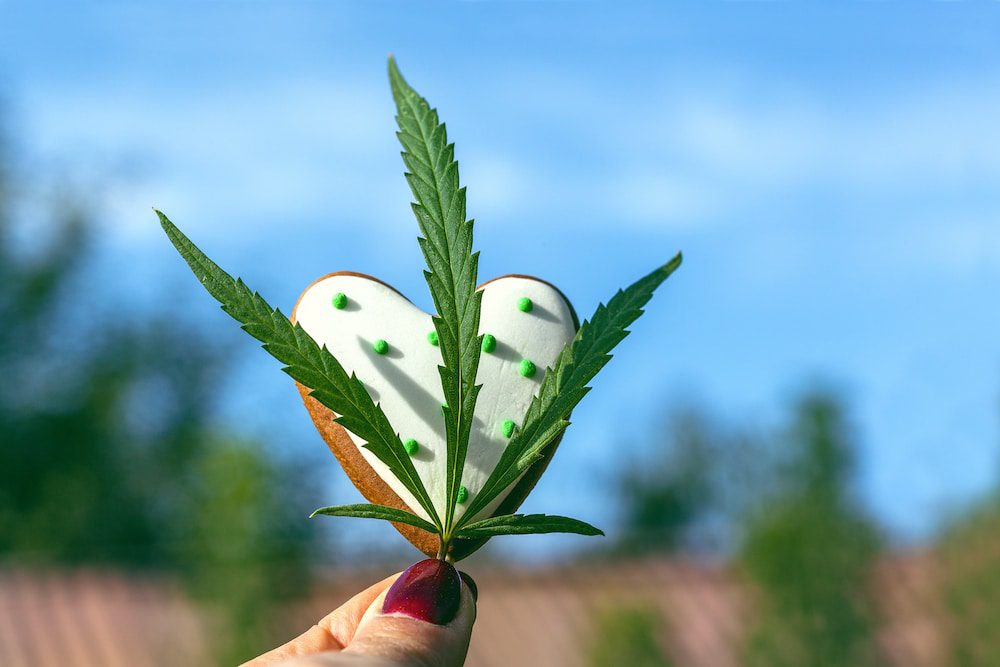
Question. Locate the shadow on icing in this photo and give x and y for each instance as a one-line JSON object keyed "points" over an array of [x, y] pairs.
{"points": [[505, 352], [393, 352], [371, 392], [544, 313], [423, 454], [426, 406], [513, 357], [351, 307]]}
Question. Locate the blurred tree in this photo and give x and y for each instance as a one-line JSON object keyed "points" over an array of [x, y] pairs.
{"points": [[809, 550], [969, 557], [688, 491], [110, 454], [970, 573], [627, 635], [241, 547], [663, 495]]}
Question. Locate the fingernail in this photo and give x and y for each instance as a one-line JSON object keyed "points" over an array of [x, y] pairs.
{"points": [[430, 591], [471, 583]]}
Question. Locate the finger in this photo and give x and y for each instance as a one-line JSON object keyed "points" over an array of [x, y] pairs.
{"points": [[331, 633], [401, 639], [342, 623]]}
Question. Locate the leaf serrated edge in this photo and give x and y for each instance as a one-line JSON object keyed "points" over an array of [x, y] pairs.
{"points": [[446, 244], [306, 362], [373, 511], [565, 385], [526, 524]]}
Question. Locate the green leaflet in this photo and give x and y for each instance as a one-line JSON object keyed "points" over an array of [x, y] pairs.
{"points": [[526, 524], [446, 243], [368, 511], [566, 385], [306, 362]]}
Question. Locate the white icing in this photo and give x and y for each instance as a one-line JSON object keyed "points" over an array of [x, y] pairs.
{"points": [[406, 381]]}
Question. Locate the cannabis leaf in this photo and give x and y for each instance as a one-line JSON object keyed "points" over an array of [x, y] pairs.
{"points": [[525, 524], [565, 385], [446, 243], [369, 511], [307, 363]]}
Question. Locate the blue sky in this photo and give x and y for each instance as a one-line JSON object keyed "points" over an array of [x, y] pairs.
{"points": [[832, 174]]}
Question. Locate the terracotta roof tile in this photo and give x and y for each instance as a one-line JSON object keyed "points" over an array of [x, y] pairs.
{"points": [[109, 619]]}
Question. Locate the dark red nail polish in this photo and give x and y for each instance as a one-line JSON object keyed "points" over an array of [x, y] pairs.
{"points": [[430, 591], [471, 583]]}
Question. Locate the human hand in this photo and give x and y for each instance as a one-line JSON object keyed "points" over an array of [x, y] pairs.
{"points": [[418, 618]]}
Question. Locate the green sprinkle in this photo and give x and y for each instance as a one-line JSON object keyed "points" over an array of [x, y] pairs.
{"points": [[489, 343], [432, 338], [381, 347], [527, 368], [339, 300], [507, 428], [411, 446], [524, 304], [444, 406], [463, 494]]}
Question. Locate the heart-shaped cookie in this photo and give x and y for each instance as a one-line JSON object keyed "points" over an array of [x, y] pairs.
{"points": [[391, 346]]}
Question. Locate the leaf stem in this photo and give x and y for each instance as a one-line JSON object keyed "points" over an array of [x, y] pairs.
{"points": [[443, 550]]}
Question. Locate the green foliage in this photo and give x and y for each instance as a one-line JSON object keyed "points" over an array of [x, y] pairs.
{"points": [[663, 495], [525, 524], [565, 385], [627, 635], [446, 243], [239, 547], [969, 556], [111, 454], [306, 362], [89, 461], [368, 511], [505, 524], [688, 485], [809, 552], [453, 268]]}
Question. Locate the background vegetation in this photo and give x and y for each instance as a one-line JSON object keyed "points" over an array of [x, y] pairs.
{"points": [[113, 456]]}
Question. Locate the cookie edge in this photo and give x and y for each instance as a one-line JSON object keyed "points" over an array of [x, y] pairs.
{"points": [[374, 488]]}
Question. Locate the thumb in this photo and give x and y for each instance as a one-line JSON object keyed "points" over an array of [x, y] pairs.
{"points": [[425, 618]]}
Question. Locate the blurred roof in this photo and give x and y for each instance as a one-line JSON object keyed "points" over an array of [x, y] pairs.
{"points": [[106, 619], [88, 617]]}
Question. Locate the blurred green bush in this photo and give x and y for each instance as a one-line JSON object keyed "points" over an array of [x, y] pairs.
{"points": [[112, 455]]}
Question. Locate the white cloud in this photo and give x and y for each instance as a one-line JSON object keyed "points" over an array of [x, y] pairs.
{"points": [[691, 153], [941, 134], [280, 153]]}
